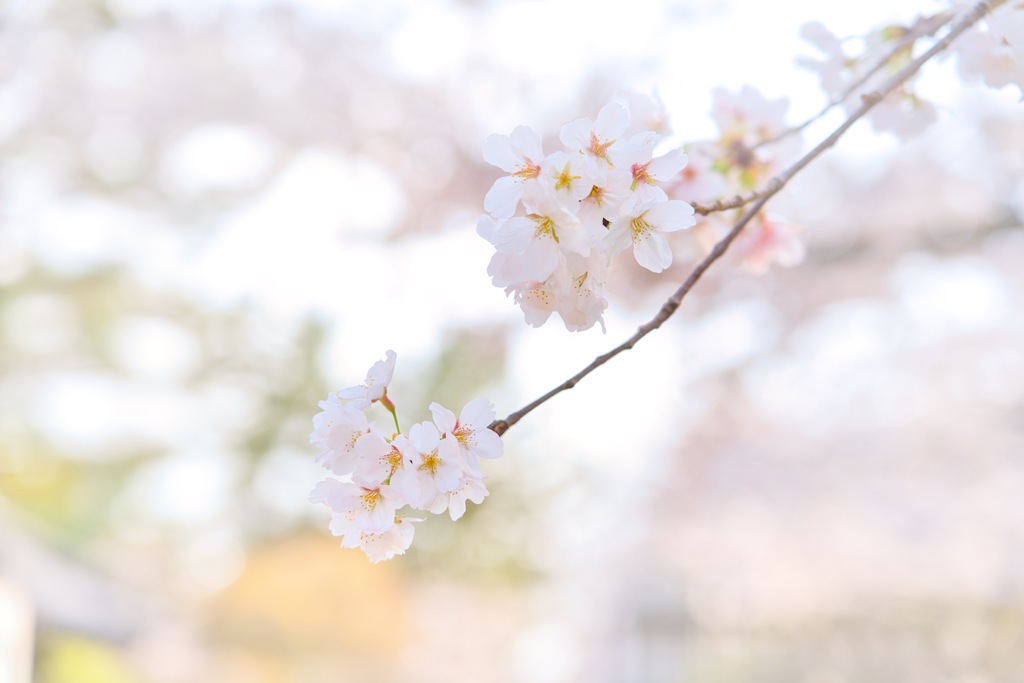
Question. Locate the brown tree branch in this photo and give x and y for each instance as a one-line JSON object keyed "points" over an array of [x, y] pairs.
{"points": [[869, 100], [737, 201]]}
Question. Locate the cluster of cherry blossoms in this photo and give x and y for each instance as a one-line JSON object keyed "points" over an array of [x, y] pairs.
{"points": [[991, 52], [849, 69], [557, 220], [432, 469], [755, 143]]}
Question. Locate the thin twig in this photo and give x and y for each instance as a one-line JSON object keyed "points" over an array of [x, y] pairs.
{"points": [[737, 201], [869, 100]]}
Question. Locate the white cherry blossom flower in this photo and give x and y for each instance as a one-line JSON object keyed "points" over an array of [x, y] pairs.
{"points": [[566, 177], [642, 174], [384, 544], [527, 249], [770, 240], [531, 247], [470, 431], [538, 301], [850, 76], [471, 488], [583, 302], [355, 507], [645, 228], [432, 465], [378, 459], [748, 116], [832, 64], [750, 149], [575, 291], [603, 201], [375, 388], [993, 51], [336, 429], [597, 140], [646, 113], [699, 180], [903, 114], [520, 156]]}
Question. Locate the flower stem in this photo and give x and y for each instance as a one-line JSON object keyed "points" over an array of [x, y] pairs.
{"points": [[387, 403]]}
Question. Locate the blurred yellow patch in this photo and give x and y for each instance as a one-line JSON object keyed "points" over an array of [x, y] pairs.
{"points": [[75, 660], [306, 591]]}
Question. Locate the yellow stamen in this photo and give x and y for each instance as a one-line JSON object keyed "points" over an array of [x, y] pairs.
{"points": [[596, 194], [430, 463], [394, 459], [371, 498], [527, 171], [545, 226], [565, 178], [640, 227], [599, 148]]}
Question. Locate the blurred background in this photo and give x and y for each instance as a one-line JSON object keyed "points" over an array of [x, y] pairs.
{"points": [[213, 212]]}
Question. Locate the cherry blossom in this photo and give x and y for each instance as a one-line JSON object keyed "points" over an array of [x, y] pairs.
{"points": [[518, 154], [471, 488], [378, 459], [752, 145], [538, 300], [566, 176], [993, 51], [554, 256], [832, 64], [601, 201], [747, 116], [470, 431], [384, 544], [698, 180], [355, 507], [336, 429], [847, 76], [646, 113], [597, 140], [428, 469], [432, 465], [771, 240], [641, 173], [375, 388], [645, 229]]}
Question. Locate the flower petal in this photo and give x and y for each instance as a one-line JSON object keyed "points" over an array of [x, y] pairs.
{"points": [[487, 444], [443, 418], [503, 197], [498, 152], [477, 413], [652, 252], [671, 216]]}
